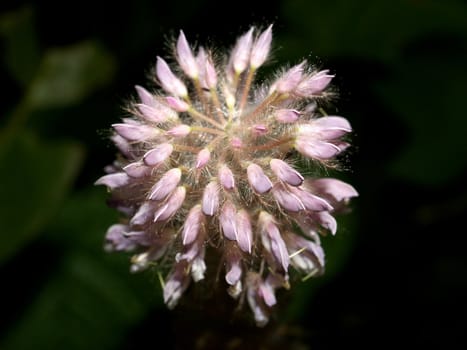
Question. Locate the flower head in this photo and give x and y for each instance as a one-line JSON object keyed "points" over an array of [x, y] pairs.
{"points": [[208, 165]]}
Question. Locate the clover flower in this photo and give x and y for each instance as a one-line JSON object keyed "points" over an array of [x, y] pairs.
{"points": [[208, 165]]}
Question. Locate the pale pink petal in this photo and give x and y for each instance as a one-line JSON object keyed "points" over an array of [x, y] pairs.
{"points": [[179, 131], [210, 201], [155, 114], [241, 54], [144, 95], [272, 240], [174, 202], [137, 169], [186, 58], [261, 47], [114, 180], [176, 104], [136, 132], [202, 158], [290, 79], [158, 154], [285, 172], [337, 189], [233, 265], [192, 225], [168, 80], [176, 283], [226, 177], [309, 200], [144, 214], [227, 220], [258, 179], [331, 127], [327, 221], [286, 199], [243, 233], [286, 115], [166, 184], [315, 84]]}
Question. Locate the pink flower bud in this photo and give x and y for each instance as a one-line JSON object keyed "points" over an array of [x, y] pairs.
{"points": [[337, 190], [137, 169], [286, 115], [181, 130], [174, 202], [241, 53], [177, 104], [114, 180], [261, 47], [286, 199], [227, 220], [185, 57], [167, 183], [243, 233], [192, 225], [144, 95], [257, 179], [157, 113], [210, 201], [198, 268], [168, 80], [158, 154], [136, 132], [176, 284], [226, 177], [236, 142], [202, 158], [122, 144], [272, 240], [317, 149], [327, 221], [314, 84], [311, 256], [210, 74], [233, 265], [309, 200], [317, 139], [290, 79], [285, 172], [260, 129], [144, 214], [116, 240]]}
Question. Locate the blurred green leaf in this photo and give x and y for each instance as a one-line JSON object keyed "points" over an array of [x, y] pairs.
{"points": [[86, 305], [68, 75], [21, 53], [367, 28], [35, 177], [92, 301], [431, 103], [87, 206]]}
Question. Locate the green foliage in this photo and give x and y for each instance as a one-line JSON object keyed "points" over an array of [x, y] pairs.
{"points": [[67, 75], [35, 178]]}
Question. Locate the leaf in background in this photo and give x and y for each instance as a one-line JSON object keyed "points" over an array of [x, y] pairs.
{"points": [[92, 301], [68, 75], [85, 306], [21, 53], [432, 104], [367, 28], [35, 177]]}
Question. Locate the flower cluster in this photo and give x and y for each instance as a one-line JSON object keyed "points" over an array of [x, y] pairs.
{"points": [[208, 164]]}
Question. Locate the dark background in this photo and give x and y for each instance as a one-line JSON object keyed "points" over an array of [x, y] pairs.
{"points": [[397, 269]]}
